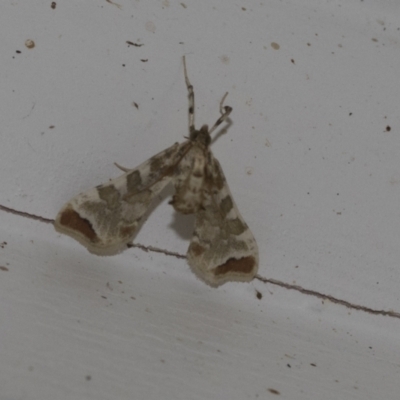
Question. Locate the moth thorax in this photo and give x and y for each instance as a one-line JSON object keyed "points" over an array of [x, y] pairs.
{"points": [[189, 195], [201, 136]]}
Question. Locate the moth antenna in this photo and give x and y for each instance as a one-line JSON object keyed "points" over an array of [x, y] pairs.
{"points": [[191, 97], [225, 111]]}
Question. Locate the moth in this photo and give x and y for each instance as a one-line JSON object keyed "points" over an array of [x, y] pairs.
{"points": [[106, 218]]}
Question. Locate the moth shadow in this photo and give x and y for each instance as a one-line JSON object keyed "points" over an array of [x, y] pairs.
{"points": [[182, 224]]}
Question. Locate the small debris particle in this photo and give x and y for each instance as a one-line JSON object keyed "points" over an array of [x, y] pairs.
{"points": [[115, 4], [29, 43], [273, 391], [2, 268], [134, 44], [144, 60], [275, 46], [135, 104], [183, 5], [388, 128], [258, 295], [53, 5]]}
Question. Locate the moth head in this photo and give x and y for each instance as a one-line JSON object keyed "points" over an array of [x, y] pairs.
{"points": [[201, 136]]}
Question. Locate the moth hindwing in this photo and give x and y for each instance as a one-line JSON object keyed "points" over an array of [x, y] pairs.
{"points": [[106, 218]]}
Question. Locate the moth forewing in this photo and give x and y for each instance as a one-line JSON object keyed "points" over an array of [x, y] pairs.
{"points": [[107, 217], [222, 248]]}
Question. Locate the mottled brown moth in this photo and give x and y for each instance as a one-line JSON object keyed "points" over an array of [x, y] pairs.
{"points": [[106, 218]]}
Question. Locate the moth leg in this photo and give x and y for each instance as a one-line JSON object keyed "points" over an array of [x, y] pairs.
{"points": [[122, 168], [191, 98], [225, 111]]}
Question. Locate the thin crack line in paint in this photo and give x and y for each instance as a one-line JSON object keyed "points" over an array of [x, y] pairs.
{"points": [[129, 245], [25, 214], [275, 282], [328, 297], [156, 250]]}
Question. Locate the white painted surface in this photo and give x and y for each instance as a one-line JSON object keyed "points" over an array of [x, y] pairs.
{"points": [[322, 199]]}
